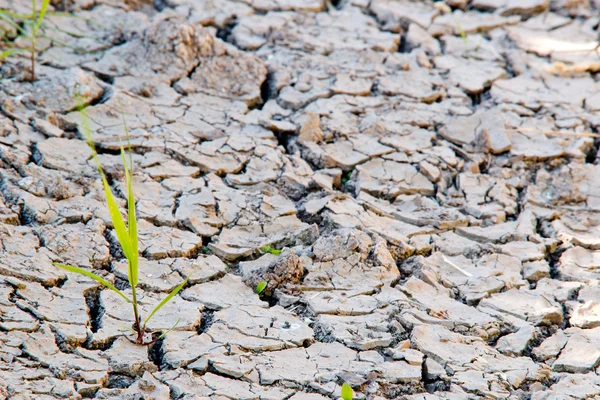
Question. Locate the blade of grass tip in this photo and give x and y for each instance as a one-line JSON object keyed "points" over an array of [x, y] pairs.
{"points": [[133, 232], [129, 329], [463, 35], [87, 131], [16, 15], [166, 299], [10, 52], [45, 4], [127, 136], [170, 329], [13, 24], [132, 222], [95, 277]]}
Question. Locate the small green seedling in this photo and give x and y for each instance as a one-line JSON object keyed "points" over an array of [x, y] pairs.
{"points": [[35, 31], [462, 35], [35, 21], [346, 177], [270, 249], [347, 392], [262, 285], [127, 235]]}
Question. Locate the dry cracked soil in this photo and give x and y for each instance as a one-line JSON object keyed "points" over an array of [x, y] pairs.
{"points": [[428, 169]]}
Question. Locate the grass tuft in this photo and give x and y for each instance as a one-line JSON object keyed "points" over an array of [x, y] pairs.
{"points": [[127, 235]]}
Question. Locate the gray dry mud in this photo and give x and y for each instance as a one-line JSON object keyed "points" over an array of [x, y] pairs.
{"points": [[435, 244]]}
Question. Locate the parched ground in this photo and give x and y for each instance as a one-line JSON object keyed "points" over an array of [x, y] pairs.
{"points": [[437, 242]]}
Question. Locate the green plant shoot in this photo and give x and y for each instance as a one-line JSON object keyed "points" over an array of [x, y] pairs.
{"points": [[270, 249], [34, 20], [462, 35], [127, 235], [35, 30], [262, 285], [347, 392]]}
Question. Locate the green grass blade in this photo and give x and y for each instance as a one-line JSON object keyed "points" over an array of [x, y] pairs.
{"points": [[13, 24], [113, 208], [165, 300], [347, 392], [262, 285], [131, 222], [45, 4], [462, 35], [9, 52], [170, 329], [127, 328], [95, 277], [131, 214], [117, 220], [16, 15], [133, 233]]}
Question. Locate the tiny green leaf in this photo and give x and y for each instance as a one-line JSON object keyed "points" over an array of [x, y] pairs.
{"points": [[132, 223], [127, 328], [347, 392], [262, 285], [95, 277], [270, 249], [9, 52], [166, 299], [170, 329], [117, 220], [45, 4]]}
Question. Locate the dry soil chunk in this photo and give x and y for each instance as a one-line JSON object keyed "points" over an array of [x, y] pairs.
{"points": [[536, 309]]}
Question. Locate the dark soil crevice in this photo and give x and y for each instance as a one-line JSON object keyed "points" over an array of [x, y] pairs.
{"points": [[109, 79], [119, 381], [224, 33], [95, 309], [156, 353], [478, 98], [267, 89], [402, 47], [208, 317], [592, 154]]}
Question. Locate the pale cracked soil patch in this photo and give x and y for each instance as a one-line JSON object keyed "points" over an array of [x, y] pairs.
{"points": [[435, 244]]}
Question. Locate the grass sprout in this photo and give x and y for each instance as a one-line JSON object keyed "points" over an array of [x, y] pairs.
{"points": [[127, 236], [262, 285], [270, 249], [347, 392], [34, 20], [463, 35]]}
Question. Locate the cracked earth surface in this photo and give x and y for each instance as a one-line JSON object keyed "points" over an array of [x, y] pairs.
{"points": [[435, 243]]}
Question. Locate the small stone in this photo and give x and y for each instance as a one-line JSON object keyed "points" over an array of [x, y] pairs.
{"points": [[516, 343], [130, 359], [536, 309], [419, 37], [430, 171], [434, 370], [310, 131], [371, 356], [581, 353], [535, 270], [586, 315]]}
